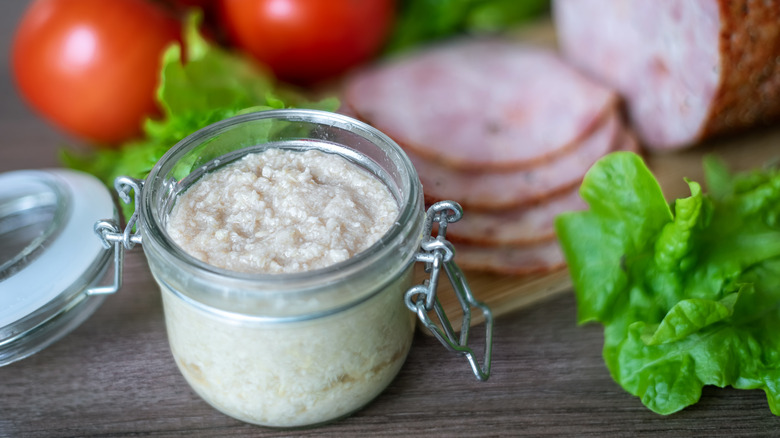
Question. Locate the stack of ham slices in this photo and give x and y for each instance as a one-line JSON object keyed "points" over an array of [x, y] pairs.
{"points": [[509, 130], [506, 130]]}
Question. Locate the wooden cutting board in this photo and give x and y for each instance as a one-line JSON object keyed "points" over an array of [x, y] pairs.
{"points": [[505, 294]]}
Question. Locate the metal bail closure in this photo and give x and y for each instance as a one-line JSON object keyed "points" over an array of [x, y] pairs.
{"points": [[111, 235], [437, 252]]}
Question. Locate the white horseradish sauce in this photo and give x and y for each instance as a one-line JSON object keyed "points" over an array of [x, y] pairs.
{"points": [[282, 211]]}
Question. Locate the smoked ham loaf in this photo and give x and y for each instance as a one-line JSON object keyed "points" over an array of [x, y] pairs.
{"points": [[687, 70]]}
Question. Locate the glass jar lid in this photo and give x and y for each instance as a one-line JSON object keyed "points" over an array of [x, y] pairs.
{"points": [[49, 256]]}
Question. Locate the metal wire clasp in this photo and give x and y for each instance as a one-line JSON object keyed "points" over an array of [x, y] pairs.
{"points": [[437, 253], [111, 235]]}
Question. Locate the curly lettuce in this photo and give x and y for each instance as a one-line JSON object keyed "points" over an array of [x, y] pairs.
{"points": [[688, 292]]}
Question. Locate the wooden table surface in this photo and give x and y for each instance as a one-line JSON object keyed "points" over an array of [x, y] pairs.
{"points": [[114, 375]]}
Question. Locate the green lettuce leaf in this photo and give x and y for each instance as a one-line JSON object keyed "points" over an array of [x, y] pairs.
{"points": [[688, 293], [213, 84]]}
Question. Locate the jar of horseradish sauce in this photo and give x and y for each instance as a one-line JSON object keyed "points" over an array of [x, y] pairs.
{"points": [[284, 244]]}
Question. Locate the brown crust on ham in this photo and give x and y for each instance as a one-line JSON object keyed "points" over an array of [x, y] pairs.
{"points": [[749, 93]]}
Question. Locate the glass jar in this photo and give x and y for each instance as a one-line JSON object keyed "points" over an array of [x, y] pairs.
{"points": [[287, 350]]}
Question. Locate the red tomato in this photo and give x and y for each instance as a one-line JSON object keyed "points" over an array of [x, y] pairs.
{"points": [[304, 41], [91, 66]]}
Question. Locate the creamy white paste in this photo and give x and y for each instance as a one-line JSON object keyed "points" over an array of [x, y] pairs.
{"points": [[282, 211]]}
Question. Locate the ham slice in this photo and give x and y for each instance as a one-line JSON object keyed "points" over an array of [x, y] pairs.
{"points": [[492, 190], [687, 70], [515, 226], [516, 260], [480, 104]]}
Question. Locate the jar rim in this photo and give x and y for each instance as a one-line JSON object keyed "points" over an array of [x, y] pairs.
{"points": [[153, 228]]}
